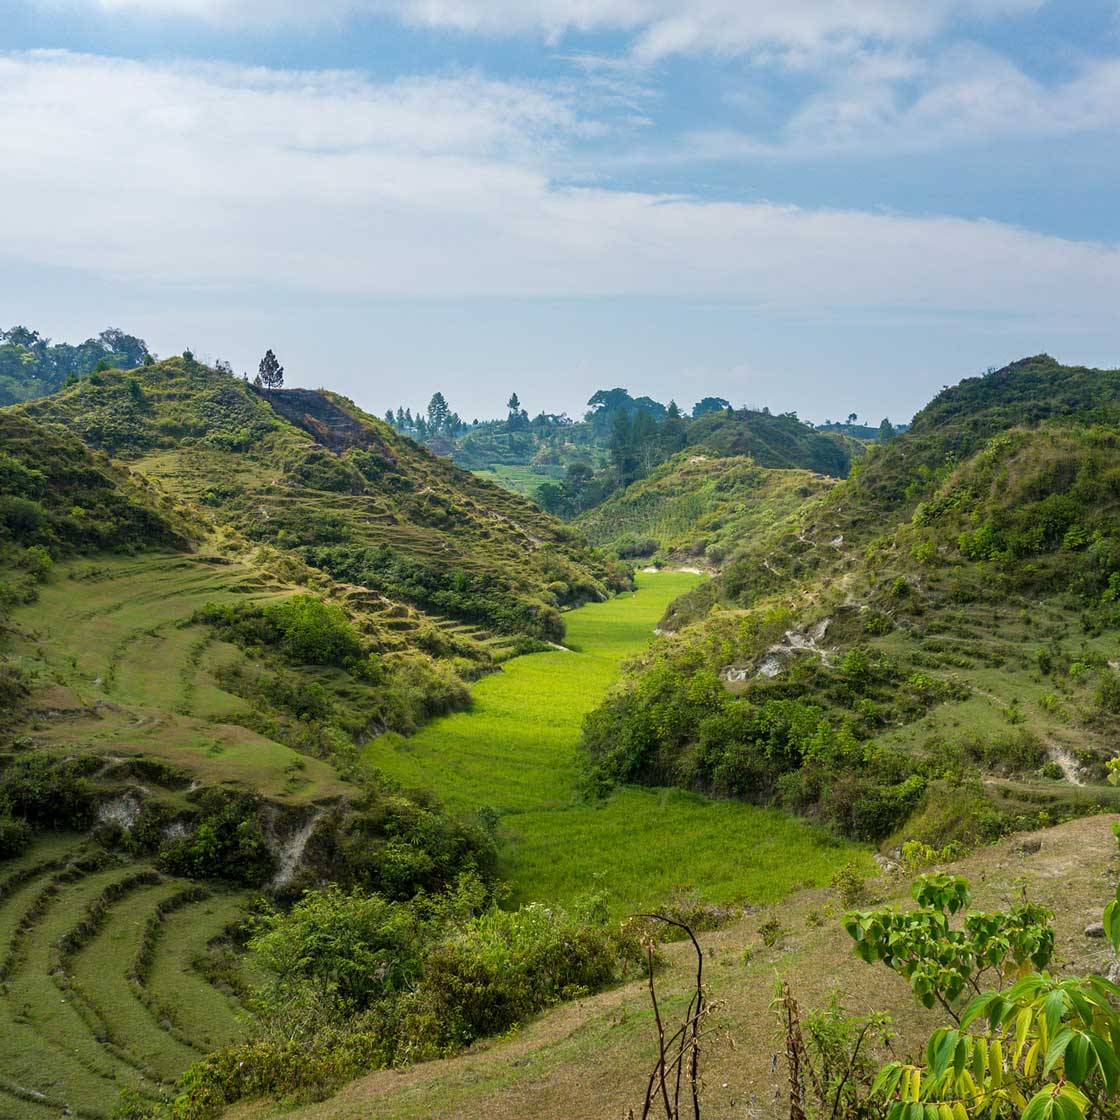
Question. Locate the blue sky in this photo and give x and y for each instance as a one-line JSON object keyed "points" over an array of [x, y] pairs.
{"points": [[822, 206]]}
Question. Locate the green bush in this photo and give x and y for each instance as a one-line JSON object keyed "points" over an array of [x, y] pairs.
{"points": [[53, 793], [354, 948], [15, 836], [227, 842]]}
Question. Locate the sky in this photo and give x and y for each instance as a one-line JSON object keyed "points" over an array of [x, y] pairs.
{"points": [[825, 206]]}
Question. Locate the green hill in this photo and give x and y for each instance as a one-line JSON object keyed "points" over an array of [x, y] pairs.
{"points": [[694, 508], [772, 441], [928, 647], [309, 473], [569, 466], [210, 600]]}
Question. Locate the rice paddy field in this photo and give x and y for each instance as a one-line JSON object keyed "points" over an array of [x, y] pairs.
{"points": [[100, 984], [516, 753]]}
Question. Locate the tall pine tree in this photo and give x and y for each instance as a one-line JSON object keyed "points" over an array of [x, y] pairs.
{"points": [[271, 371]]}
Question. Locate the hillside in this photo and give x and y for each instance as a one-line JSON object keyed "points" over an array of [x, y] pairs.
{"points": [[928, 647], [569, 466], [592, 1058], [310, 473], [696, 508], [187, 686], [771, 441]]}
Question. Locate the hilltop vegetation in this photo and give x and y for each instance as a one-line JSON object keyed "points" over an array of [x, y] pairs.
{"points": [[924, 648], [32, 366], [570, 467], [694, 508], [311, 474]]}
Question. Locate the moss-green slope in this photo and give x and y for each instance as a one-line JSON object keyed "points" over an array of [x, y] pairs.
{"points": [[695, 507], [309, 472], [934, 640]]}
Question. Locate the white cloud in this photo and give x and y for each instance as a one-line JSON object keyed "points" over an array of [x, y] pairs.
{"points": [[220, 177], [897, 103], [796, 28], [965, 95]]}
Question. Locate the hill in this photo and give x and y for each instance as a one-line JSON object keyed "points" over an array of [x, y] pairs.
{"points": [[927, 647], [210, 600], [695, 508], [310, 473], [772, 441], [571, 466]]}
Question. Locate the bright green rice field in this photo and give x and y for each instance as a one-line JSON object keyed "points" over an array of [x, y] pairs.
{"points": [[516, 751]]}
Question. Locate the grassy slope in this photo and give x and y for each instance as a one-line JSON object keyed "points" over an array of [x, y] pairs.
{"points": [[516, 752], [75, 1030], [119, 672], [590, 1059], [694, 505], [877, 564], [299, 469], [523, 480]]}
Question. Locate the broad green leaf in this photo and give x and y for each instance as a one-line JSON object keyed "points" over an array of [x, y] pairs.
{"points": [[1077, 1058], [1057, 1049], [1040, 1107]]}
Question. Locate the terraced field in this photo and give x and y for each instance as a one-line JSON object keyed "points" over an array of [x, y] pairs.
{"points": [[515, 752], [95, 997], [120, 669]]}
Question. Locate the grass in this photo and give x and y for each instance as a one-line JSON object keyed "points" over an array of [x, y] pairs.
{"points": [[521, 480], [48, 1046], [99, 969], [116, 630], [693, 505], [73, 1028], [515, 751], [590, 1058], [200, 1012]]}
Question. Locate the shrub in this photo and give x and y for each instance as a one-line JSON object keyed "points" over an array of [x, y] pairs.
{"points": [[15, 837], [49, 792], [355, 948], [313, 632], [227, 843], [771, 931], [504, 966], [848, 885]]}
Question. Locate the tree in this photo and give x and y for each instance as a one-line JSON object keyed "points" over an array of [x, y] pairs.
{"points": [[673, 412], [438, 413], [709, 404], [390, 419], [1042, 1049], [271, 371], [513, 404], [886, 431], [125, 351], [852, 417]]}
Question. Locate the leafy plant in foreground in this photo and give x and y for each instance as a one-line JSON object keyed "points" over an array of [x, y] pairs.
{"points": [[944, 963], [1043, 1049]]}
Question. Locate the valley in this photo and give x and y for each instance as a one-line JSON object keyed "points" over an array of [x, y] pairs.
{"points": [[321, 755], [515, 751]]}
